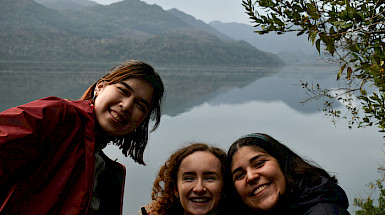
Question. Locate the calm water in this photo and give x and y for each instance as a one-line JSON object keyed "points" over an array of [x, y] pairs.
{"points": [[216, 106]]}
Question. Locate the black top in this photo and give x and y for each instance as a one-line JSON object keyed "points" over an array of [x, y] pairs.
{"points": [[325, 198]]}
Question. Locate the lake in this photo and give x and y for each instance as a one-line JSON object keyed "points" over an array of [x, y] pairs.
{"points": [[216, 106]]}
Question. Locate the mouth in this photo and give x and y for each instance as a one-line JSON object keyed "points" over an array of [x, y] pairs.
{"points": [[118, 117], [259, 189], [200, 199]]}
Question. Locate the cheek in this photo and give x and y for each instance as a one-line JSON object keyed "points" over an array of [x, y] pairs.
{"points": [[140, 116], [282, 184], [178, 191], [216, 188], [220, 187], [238, 187]]}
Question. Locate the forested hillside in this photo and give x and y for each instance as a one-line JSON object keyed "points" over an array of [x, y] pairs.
{"points": [[124, 30]]}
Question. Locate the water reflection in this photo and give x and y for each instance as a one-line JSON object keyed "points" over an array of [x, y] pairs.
{"points": [[23, 82], [185, 87]]}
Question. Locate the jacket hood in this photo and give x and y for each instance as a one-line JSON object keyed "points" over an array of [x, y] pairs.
{"points": [[325, 192]]}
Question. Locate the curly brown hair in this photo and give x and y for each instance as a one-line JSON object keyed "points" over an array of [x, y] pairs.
{"points": [[164, 201]]}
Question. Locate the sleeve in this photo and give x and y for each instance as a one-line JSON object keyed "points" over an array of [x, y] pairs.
{"points": [[24, 131]]}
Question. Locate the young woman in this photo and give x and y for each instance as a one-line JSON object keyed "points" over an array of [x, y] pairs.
{"points": [[190, 182], [266, 177], [51, 160]]}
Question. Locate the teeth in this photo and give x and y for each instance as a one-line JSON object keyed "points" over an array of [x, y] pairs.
{"points": [[116, 116], [260, 189], [199, 200]]}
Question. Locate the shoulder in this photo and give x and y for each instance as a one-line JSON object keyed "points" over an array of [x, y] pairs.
{"points": [[59, 102], [52, 103], [326, 197], [59, 106], [47, 113]]}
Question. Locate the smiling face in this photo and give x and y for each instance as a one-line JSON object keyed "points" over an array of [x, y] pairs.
{"points": [[257, 178], [199, 183], [121, 107]]}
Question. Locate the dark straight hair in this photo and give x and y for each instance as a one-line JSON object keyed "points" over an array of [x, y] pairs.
{"points": [[297, 170], [134, 144]]}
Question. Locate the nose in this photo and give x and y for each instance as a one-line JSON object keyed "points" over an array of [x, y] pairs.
{"points": [[127, 104], [199, 187], [252, 176]]}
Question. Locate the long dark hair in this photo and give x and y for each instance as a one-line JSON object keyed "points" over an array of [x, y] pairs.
{"points": [[295, 168], [164, 200], [134, 144]]}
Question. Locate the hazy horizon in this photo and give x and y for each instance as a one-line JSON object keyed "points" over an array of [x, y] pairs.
{"points": [[207, 11]]}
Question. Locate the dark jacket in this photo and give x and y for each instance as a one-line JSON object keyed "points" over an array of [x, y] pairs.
{"points": [[47, 151], [326, 198]]}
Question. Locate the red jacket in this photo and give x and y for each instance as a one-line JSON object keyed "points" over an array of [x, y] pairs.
{"points": [[47, 160]]}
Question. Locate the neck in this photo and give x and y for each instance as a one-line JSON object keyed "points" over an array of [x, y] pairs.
{"points": [[101, 138]]}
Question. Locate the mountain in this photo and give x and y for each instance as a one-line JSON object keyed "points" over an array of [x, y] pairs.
{"points": [[62, 5], [123, 30], [125, 19], [288, 47], [26, 16], [198, 24]]}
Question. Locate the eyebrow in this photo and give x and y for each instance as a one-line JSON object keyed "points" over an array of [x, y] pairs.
{"points": [[210, 173], [205, 173], [250, 161], [188, 173], [141, 99]]}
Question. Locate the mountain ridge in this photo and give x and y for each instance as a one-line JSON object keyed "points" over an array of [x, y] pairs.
{"points": [[115, 32], [289, 47]]}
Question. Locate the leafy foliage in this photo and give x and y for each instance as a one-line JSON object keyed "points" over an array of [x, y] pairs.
{"points": [[367, 205], [351, 32]]}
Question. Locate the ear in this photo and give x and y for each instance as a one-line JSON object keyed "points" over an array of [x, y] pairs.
{"points": [[176, 193], [99, 87]]}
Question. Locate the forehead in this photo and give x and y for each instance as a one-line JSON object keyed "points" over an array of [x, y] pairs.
{"points": [[137, 82], [251, 150], [141, 87], [245, 153], [201, 161]]}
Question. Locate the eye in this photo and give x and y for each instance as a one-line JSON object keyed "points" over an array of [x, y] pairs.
{"points": [[259, 163], [239, 176], [188, 178], [122, 90], [142, 107], [211, 178]]}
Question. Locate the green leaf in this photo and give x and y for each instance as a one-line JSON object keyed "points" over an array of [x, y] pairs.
{"points": [[331, 30], [349, 72], [300, 33], [341, 70], [338, 23], [318, 45], [313, 36], [346, 25], [330, 46]]}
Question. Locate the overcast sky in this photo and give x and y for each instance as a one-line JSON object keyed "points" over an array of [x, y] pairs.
{"points": [[205, 10]]}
